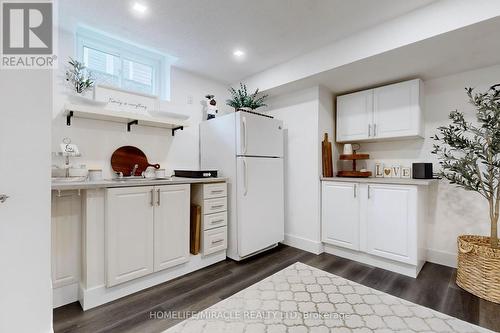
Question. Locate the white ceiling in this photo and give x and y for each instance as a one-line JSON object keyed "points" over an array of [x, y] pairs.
{"points": [[202, 34]]}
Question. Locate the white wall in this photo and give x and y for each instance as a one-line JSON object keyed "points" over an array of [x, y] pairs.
{"points": [[97, 139], [25, 289], [455, 211], [306, 115]]}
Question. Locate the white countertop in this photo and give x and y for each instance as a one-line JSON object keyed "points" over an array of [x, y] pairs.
{"points": [[108, 183], [373, 180]]}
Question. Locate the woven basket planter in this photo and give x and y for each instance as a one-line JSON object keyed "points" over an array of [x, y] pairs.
{"points": [[478, 269]]}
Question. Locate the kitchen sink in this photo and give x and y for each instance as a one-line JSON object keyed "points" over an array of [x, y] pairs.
{"points": [[68, 179]]}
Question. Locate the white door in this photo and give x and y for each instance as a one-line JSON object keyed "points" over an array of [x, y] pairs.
{"points": [[129, 233], [171, 226], [355, 116], [25, 123], [340, 214], [391, 222], [258, 135], [260, 202], [396, 110]]}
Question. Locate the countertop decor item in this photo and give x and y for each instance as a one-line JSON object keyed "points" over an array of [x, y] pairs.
{"points": [[469, 155], [379, 170], [354, 172], [195, 173], [348, 149], [405, 172], [130, 161], [326, 149], [241, 100], [95, 175]]}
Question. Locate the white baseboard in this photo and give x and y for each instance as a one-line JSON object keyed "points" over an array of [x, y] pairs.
{"points": [[305, 244], [98, 295], [65, 295], [365, 258], [442, 258]]}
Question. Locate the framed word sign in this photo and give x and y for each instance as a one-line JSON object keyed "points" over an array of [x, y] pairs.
{"points": [[122, 100]]}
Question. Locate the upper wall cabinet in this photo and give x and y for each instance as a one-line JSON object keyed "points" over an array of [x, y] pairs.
{"points": [[389, 112]]}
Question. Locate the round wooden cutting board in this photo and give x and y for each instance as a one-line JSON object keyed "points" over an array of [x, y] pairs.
{"points": [[124, 159]]}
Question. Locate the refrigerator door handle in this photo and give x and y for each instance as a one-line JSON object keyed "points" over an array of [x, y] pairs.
{"points": [[245, 178], [245, 135]]}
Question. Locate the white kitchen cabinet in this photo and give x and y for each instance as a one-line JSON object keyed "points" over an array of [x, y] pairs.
{"points": [[340, 214], [391, 227], [388, 112], [397, 110], [378, 224], [129, 233], [212, 198], [171, 226], [354, 116], [147, 230]]}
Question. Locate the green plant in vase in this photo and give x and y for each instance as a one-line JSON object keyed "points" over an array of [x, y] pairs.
{"points": [[469, 154], [241, 100], [79, 77]]}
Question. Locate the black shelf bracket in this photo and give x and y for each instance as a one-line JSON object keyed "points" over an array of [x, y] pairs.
{"points": [[133, 122], [68, 118], [177, 128]]}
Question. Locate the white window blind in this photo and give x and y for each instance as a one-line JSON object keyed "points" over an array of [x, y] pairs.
{"points": [[124, 65]]}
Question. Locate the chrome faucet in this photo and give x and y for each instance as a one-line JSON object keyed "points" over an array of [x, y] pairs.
{"points": [[134, 170]]}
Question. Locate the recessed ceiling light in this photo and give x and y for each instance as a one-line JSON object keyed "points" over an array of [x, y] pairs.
{"points": [[139, 8], [238, 53]]}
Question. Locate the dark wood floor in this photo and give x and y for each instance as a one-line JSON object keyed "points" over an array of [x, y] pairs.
{"points": [[434, 288]]}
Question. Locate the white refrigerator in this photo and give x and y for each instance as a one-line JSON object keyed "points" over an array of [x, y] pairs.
{"points": [[248, 149]]}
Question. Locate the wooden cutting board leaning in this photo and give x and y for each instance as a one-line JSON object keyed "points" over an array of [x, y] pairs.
{"points": [[125, 158], [326, 148]]}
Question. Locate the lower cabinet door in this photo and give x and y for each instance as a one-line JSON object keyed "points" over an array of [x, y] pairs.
{"points": [[129, 233], [171, 226], [340, 214], [391, 222]]}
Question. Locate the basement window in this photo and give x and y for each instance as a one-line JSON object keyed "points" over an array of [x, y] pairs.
{"points": [[125, 65]]}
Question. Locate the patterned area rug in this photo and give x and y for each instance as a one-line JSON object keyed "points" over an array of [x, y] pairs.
{"points": [[301, 298]]}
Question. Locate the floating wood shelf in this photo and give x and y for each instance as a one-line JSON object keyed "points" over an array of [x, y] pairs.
{"points": [[127, 118]]}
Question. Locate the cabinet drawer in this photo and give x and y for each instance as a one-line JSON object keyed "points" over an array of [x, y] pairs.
{"points": [[214, 240], [216, 190], [214, 205], [216, 220]]}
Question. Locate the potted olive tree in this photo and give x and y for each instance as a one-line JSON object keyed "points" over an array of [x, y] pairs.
{"points": [[242, 101], [469, 154]]}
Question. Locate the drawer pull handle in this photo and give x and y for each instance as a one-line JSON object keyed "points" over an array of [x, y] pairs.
{"points": [[217, 191], [217, 206], [216, 221], [217, 241]]}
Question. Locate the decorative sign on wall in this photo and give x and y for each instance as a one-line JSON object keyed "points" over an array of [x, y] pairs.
{"points": [[122, 100]]}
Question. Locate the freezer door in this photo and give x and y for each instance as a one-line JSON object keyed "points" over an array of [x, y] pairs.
{"points": [[260, 203], [258, 135]]}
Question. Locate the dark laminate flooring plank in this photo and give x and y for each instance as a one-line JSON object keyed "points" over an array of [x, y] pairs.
{"points": [[434, 288]]}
